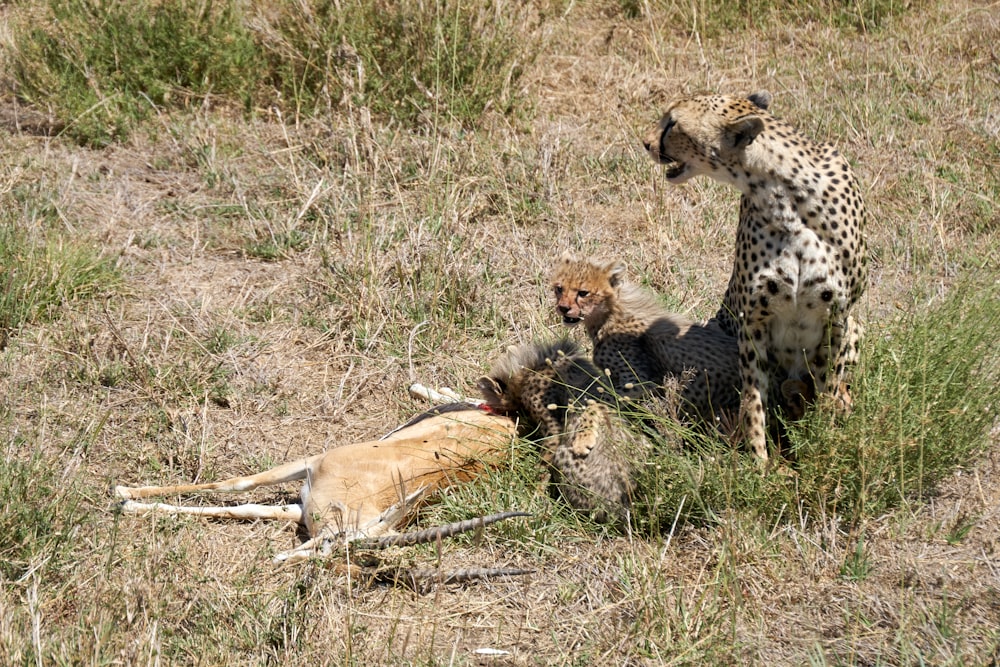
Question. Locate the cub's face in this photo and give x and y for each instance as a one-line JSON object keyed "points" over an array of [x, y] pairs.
{"points": [[573, 303], [583, 289]]}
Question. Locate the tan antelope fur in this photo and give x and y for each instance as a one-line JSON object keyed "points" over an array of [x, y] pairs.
{"points": [[360, 490]]}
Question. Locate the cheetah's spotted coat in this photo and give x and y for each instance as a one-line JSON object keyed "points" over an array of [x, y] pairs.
{"points": [[800, 262]]}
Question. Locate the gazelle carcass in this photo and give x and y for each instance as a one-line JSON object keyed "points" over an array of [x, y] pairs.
{"points": [[362, 492]]}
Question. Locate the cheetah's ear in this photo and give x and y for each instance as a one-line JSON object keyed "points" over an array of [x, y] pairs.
{"points": [[740, 133], [761, 99], [492, 391], [616, 273]]}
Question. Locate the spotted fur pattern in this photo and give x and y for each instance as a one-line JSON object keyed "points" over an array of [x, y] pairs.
{"points": [[800, 263], [559, 397], [642, 346]]}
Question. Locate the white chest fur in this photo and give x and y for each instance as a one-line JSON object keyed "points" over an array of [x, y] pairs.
{"points": [[796, 297]]}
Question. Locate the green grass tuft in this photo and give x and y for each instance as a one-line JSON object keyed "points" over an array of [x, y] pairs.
{"points": [[38, 513], [104, 66], [716, 17], [37, 279], [403, 60], [925, 399]]}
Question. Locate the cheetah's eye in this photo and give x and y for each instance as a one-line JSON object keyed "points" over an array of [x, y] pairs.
{"points": [[558, 289], [583, 293]]}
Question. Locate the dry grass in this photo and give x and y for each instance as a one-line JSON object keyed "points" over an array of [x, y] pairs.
{"points": [[281, 285]]}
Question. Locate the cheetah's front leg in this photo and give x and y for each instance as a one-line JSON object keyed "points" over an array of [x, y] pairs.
{"points": [[840, 354], [849, 353], [753, 406]]}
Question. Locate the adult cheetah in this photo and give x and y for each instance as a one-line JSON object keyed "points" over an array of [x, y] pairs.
{"points": [[800, 262], [592, 450], [642, 345]]}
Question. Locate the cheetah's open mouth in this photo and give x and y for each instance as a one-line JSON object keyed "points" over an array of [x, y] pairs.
{"points": [[570, 321], [672, 168]]}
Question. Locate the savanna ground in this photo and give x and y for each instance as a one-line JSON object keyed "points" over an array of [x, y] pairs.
{"points": [[203, 281]]}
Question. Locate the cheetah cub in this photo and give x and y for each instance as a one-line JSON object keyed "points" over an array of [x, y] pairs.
{"points": [[800, 264], [591, 450], [640, 344]]}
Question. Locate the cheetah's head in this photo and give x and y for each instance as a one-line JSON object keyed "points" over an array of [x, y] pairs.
{"points": [[528, 378], [582, 287], [704, 134]]}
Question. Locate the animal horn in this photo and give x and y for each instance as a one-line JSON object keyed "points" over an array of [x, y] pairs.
{"points": [[433, 534], [467, 574], [423, 579]]}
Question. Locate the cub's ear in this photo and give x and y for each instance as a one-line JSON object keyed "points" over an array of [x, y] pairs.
{"points": [[616, 272], [740, 133], [567, 257], [761, 98], [492, 391]]}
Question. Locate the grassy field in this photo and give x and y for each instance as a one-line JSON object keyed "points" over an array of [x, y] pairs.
{"points": [[234, 233]]}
